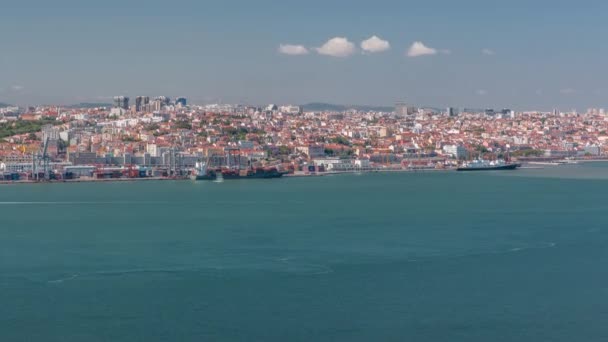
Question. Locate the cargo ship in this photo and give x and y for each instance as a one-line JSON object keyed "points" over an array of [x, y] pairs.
{"points": [[202, 172], [485, 165], [260, 172]]}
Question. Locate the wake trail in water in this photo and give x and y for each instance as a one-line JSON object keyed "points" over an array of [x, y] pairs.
{"points": [[281, 265], [61, 280], [541, 245], [80, 203]]}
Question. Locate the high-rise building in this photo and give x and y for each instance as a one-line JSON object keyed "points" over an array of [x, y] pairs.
{"points": [[159, 102], [141, 103], [180, 101], [164, 100], [450, 111], [402, 109], [121, 102]]}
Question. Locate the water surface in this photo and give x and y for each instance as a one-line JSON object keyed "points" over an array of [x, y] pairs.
{"points": [[517, 256]]}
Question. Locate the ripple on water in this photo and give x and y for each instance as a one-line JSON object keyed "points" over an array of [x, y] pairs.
{"points": [[279, 265]]}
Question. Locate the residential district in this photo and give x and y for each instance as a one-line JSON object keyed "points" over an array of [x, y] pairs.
{"points": [[158, 137]]}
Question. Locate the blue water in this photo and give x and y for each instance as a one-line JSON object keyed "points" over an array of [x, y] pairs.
{"points": [[508, 256]]}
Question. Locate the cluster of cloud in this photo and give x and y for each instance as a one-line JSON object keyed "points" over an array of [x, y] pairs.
{"points": [[341, 47], [337, 47], [293, 50], [375, 44], [418, 49]]}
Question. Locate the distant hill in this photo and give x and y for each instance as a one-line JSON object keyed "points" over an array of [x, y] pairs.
{"points": [[89, 105], [4, 105], [320, 107]]}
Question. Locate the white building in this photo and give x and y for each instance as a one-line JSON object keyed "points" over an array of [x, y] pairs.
{"points": [[118, 111], [362, 164], [335, 164], [290, 109], [153, 149], [455, 151], [312, 151]]}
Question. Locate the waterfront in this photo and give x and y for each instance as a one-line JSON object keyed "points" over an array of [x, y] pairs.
{"points": [[505, 256]]}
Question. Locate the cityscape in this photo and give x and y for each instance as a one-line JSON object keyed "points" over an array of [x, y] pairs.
{"points": [[160, 137], [323, 171]]}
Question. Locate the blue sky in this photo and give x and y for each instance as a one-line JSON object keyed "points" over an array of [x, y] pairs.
{"points": [[540, 54]]}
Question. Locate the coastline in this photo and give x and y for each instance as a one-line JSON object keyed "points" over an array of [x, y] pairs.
{"points": [[90, 180], [294, 175], [525, 166]]}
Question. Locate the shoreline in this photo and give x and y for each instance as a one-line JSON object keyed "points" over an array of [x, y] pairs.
{"points": [[295, 175], [91, 180], [526, 166]]}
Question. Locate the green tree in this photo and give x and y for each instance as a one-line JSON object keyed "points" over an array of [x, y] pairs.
{"points": [[284, 150], [340, 140], [183, 124]]}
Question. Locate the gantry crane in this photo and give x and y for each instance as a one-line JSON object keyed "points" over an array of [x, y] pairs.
{"points": [[41, 160]]}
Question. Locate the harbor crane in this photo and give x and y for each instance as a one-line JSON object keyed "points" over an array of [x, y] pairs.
{"points": [[41, 161]]}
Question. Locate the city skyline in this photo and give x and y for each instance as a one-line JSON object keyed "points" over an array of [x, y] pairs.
{"points": [[471, 54]]}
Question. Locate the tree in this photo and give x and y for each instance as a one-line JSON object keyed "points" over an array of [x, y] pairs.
{"points": [[127, 138], [183, 124], [527, 153], [340, 140], [481, 149], [284, 150], [8, 129], [152, 127]]}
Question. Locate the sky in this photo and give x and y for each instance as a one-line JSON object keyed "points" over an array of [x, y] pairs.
{"points": [[520, 54]]}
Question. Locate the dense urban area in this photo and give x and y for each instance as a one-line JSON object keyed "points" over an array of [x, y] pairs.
{"points": [[163, 138]]}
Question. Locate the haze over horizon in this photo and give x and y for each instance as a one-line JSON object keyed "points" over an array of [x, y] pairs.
{"points": [[472, 53]]}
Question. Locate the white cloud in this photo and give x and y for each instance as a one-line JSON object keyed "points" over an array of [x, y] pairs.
{"points": [[293, 50], [567, 91], [488, 52], [445, 51], [419, 49], [482, 92], [17, 87], [337, 47], [375, 44]]}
